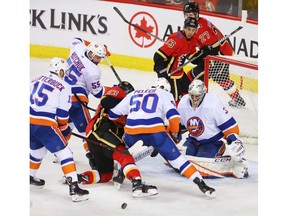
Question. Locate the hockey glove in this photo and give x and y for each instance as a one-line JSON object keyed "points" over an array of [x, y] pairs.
{"points": [[206, 50], [209, 50], [236, 150]]}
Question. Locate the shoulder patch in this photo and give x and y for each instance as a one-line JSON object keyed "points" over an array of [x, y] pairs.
{"points": [[179, 35], [170, 43]]}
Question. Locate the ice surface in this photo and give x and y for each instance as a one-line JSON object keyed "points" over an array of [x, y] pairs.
{"points": [[177, 195]]}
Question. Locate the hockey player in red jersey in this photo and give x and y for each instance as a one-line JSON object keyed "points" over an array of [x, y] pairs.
{"points": [[206, 35], [173, 54], [101, 129]]}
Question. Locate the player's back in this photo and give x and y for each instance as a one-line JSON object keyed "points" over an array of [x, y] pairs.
{"points": [[212, 35], [82, 71], [47, 94], [146, 110]]}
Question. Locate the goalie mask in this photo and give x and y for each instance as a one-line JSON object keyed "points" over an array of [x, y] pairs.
{"points": [[196, 91], [58, 66], [162, 83]]}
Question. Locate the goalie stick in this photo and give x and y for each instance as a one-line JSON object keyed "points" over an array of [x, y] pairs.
{"points": [[217, 43]]}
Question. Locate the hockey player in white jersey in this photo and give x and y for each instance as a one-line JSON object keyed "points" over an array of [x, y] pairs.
{"points": [[212, 130], [146, 110], [50, 101], [84, 76]]}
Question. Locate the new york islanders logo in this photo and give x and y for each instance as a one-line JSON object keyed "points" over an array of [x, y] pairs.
{"points": [[195, 126]]}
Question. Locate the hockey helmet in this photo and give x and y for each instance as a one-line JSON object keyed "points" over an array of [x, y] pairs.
{"points": [[58, 66], [191, 7], [126, 87], [97, 49], [162, 83], [192, 22], [196, 91]]}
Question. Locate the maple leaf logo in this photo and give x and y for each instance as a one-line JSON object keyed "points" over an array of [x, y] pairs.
{"points": [[143, 25]]}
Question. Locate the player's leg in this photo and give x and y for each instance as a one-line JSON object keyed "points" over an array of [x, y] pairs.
{"points": [[166, 147], [80, 117], [219, 72]]}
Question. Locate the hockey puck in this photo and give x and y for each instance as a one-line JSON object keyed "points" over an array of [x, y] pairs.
{"points": [[124, 205]]}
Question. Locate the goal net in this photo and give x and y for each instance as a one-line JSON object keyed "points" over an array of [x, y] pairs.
{"points": [[244, 73]]}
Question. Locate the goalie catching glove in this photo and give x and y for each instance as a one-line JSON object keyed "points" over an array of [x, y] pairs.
{"points": [[236, 149]]}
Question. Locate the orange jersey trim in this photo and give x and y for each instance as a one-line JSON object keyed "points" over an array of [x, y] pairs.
{"points": [[144, 130], [43, 122]]}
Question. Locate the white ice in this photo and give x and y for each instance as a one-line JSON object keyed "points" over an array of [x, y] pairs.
{"points": [[177, 195]]}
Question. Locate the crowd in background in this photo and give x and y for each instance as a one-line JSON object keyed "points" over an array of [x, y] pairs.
{"points": [[230, 7]]}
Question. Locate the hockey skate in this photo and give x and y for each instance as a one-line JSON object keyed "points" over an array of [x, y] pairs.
{"points": [[56, 159], [39, 183], [81, 178], [118, 177], [208, 191], [238, 102], [75, 192], [139, 189]]}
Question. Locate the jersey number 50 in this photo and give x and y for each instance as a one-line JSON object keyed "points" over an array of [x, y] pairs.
{"points": [[146, 102]]}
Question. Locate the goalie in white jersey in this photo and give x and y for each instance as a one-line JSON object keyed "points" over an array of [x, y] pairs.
{"points": [[212, 129], [147, 110], [50, 101], [84, 76]]}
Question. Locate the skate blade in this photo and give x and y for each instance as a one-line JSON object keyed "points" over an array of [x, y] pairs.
{"points": [[37, 186], [139, 193], [78, 198], [210, 195], [117, 185]]}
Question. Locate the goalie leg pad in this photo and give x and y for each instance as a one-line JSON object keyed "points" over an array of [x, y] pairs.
{"points": [[240, 169]]}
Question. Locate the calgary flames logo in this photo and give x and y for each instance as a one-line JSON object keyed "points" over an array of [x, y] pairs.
{"points": [[147, 22], [195, 126]]}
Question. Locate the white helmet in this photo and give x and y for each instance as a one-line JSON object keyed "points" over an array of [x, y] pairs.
{"points": [[162, 83], [57, 64], [197, 88], [97, 49]]}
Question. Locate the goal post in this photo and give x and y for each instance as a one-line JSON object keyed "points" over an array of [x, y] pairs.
{"points": [[244, 72]]}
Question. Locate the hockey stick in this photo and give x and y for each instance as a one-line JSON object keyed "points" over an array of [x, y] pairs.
{"points": [[113, 69], [136, 26], [83, 104], [217, 43], [126, 152]]}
